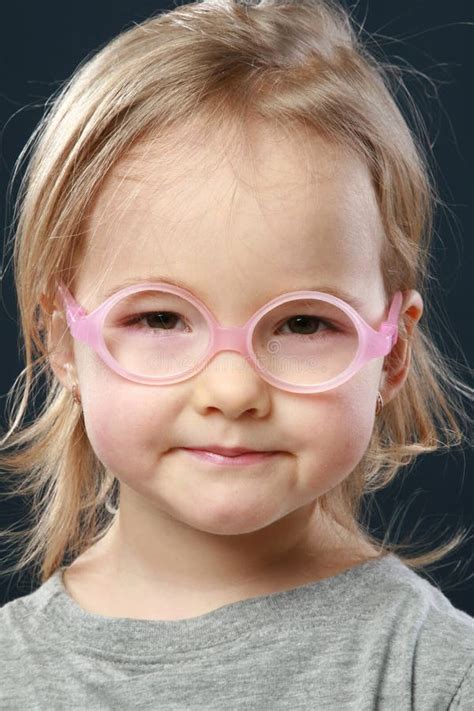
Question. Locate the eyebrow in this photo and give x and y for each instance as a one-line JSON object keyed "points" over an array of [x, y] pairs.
{"points": [[354, 301]]}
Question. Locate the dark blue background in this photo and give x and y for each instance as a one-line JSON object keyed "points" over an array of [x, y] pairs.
{"points": [[42, 43]]}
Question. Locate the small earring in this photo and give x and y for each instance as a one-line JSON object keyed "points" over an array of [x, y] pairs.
{"points": [[75, 395], [379, 406]]}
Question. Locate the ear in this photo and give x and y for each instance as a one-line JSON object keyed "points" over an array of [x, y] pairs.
{"points": [[59, 344], [397, 364]]}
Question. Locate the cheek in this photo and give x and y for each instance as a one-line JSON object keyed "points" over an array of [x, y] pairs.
{"points": [[333, 429], [128, 424], [348, 435]]}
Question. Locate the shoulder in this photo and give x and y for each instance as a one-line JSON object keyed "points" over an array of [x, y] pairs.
{"points": [[23, 623], [14, 615], [15, 631], [432, 640], [420, 605], [26, 636]]}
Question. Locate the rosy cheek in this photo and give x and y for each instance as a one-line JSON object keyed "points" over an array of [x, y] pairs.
{"points": [[131, 426], [336, 428]]}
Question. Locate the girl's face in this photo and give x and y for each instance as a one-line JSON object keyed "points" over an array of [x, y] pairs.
{"points": [[237, 229]]}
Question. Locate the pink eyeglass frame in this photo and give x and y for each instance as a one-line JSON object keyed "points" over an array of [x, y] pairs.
{"points": [[372, 344]]}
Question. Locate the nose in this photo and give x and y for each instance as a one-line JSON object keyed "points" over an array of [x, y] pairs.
{"points": [[230, 383]]}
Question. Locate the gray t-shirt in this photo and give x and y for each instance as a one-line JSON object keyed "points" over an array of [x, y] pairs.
{"points": [[377, 636]]}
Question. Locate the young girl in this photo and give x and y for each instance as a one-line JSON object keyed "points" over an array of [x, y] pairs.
{"points": [[220, 259]]}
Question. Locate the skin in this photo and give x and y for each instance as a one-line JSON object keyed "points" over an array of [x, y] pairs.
{"points": [[239, 227]]}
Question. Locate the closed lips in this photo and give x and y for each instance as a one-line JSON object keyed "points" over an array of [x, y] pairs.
{"points": [[227, 452]]}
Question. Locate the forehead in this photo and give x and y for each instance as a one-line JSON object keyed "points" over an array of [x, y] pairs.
{"points": [[265, 211]]}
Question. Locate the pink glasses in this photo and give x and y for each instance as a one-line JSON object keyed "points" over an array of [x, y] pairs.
{"points": [[159, 334]]}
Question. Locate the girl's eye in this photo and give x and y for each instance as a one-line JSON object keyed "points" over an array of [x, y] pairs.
{"points": [[155, 320], [307, 325], [168, 321]]}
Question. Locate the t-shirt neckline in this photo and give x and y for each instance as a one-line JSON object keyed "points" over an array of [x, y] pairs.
{"points": [[321, 601]]}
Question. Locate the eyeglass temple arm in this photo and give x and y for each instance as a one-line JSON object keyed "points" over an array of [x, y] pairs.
{"points": [[390, 326], [74, 312]]}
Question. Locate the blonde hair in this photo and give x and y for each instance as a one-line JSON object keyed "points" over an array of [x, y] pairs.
{"points": [[298, 63]]}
